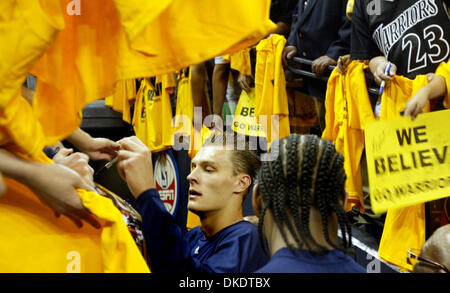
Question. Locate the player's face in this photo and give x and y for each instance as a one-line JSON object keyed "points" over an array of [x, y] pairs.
{"points": [[211, 180]]}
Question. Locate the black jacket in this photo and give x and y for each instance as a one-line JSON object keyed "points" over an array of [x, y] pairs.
{"points": [[321, 29]]}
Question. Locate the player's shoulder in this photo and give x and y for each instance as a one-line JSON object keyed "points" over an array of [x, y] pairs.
{"points": [[240, 229]]}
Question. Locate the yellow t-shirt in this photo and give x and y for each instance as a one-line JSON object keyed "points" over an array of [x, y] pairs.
{"points": [[187, 33], [184, 122], [198, 139], [79, 67], [153, 112], [241, 62], [192, 220], [348, 110], [184, 113], [184, 126], [404, 228], [270, 87], [395, 97], [27, 28], [136, 15], [36, 241], [124, 93], [19, 126], [117, 40]]}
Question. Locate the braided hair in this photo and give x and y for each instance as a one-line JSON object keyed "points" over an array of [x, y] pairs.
{"points": [[307, 173]]}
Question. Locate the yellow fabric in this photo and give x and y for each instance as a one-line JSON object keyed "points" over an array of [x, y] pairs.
{"points": [[80, 67], [109, 101], [19, 126], [184, 33], [444, 71], [117, 40], [395, 97], [136, 15], [270, 86], [36, 241], [26, 31], [349, 10], [196, 143], [184, 116], [153, 112], [192, 220], [184, 113], [226, 57], [27, 28], [198, 139], [403, 228], [348, 110], [240, 61], [124, 92]]}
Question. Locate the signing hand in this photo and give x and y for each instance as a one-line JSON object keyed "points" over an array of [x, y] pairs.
{"points": [[135, 165]]}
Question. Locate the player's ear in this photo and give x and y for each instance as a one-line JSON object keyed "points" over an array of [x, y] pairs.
{"points": [[243, 183]]}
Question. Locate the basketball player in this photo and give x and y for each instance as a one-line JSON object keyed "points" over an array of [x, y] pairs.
{"points": [[219, 181]]}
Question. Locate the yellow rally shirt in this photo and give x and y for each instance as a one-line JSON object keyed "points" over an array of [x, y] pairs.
{"points": [[124, 93], [116, 40], [153, 112], [241, 62], [348, 110], [404, 228], [27, 29], [38, 242], [270, 88], [187, 33]]}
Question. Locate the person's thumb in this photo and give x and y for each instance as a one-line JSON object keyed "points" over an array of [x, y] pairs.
{"points": [[65, 152]]}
